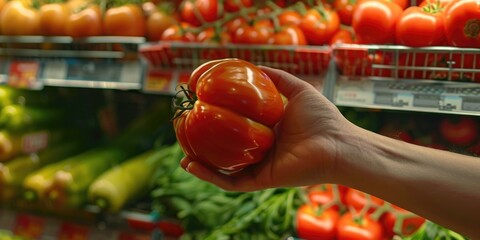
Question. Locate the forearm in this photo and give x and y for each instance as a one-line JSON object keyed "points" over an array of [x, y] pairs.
{"points": [[441, 186]]}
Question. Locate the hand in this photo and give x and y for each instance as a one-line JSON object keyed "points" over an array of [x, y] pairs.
{"points": [[305, 149]]}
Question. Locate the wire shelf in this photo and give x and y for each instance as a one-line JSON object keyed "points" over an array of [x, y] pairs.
{"points": [[302, 60], [400, 62]]}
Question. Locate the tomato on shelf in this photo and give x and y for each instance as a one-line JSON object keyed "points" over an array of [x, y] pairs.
{"points": [[355, 227], [84, 21], [125, 20], [421, 27], [225, 116], [19, 18], [459, 131], [462, 23], [52, 19], [409, 222], [319, 25], [374, 21]]}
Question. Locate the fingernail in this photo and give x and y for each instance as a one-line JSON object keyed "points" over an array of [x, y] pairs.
{"points": [[188, 165]]}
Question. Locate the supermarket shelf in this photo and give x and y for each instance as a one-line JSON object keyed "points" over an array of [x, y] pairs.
{"points": [[70, 40], [410, 95]]}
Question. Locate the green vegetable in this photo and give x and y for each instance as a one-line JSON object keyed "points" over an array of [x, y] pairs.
{"points": [[432, 231], [13, 173], [129, 180], [17, 117]]}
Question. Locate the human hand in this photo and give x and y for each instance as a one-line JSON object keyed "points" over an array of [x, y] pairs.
{"points": [[306, 145]]}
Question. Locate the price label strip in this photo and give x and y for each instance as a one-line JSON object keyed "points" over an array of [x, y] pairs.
{"points": [[24, 74]]}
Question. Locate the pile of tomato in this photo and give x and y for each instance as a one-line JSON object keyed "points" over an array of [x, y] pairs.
{"points": [[339, 212]]}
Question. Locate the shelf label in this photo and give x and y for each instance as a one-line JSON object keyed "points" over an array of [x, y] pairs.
{"points": [[30, 227], [159, 81], [24, 74], [55, 69], [355, 92], [402, 100], [34, 142], [131, 72], [451, 103]]}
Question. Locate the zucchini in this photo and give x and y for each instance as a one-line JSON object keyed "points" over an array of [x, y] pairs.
{"points": [[130, 180], [16, 117], [13, 173], [73, 180]]}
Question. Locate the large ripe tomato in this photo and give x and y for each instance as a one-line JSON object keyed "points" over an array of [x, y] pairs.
{"points": [[459, 131], [235, 5], [85, 21], [257, 33], [314, 224], [420, 27], [19, 19], [462, 24], [319, 26], [409, 224], [358, 200], [374, 21], [125, 20], [196, 12], [345, 10], [351, 227], [157, 23], [233, 107], [288, 35], [53, 17]]}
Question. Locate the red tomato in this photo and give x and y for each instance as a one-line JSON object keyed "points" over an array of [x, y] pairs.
{"points": [[324, 193], [462, 24], [343, 36], [358, 200], [409, 225], [236, 105], [403, 4], [126, 20], [178, 33], [235, 5], [19, 19], [350, 227], [319, 27], [258, 33], [314, 224], [157, 23], [289, 17], [288, 35], [345, 10], [232, 25], [53, 17], [209, 35], [374, 21], [418, 27], [460, 131], [86, 22], [198, 11], [439, 4]]}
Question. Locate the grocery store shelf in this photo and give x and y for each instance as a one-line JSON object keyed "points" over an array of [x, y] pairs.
{"points": [[303, 60], [410, 95], [70, 40]]}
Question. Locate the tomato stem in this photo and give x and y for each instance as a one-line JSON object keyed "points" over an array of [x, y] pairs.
{"points": [[180, 104]]}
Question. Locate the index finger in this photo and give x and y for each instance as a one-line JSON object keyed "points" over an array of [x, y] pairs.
{"points": [[286, 83]]}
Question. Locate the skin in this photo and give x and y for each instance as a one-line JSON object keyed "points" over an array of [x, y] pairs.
{"points": [[316, 144]]}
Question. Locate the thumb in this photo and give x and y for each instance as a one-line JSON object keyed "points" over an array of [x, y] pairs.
{"points": [[286, 83]]}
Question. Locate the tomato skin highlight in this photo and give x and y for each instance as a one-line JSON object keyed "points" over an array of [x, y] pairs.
{"points": [[462, 24], [418, 28], [230, 124]]}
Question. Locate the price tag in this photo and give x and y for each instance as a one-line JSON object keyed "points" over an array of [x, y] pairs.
{"points": [[24, 74], [160, 81], [355, 92], [450, 103], [402, 100], [131, 72], [29, 227], [34, 142], [55, 69]]}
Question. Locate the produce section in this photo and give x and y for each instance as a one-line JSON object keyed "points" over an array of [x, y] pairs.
{"points": [[87, 150]]}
